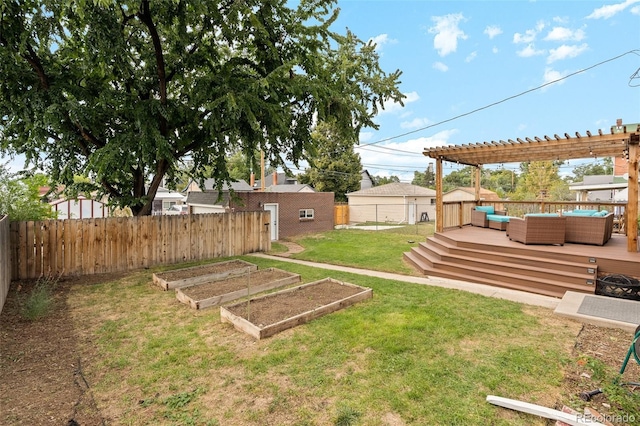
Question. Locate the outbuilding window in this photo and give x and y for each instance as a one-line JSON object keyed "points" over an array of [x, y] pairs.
{"points": [[306, 213]]}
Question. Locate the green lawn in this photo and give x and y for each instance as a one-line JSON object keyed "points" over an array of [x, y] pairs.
{"points": [[413, 355]]}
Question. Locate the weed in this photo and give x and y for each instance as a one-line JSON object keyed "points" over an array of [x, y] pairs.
{"points": [[39, 302], [347, 416]]}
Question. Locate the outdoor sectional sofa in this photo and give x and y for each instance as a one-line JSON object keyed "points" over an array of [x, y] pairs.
{"points": [[588, 227], [538, 229], [488, 217]]}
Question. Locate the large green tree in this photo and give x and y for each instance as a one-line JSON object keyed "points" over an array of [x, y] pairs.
{"points": [[590, 169], [122, 91], [335, 167], [540, 181]]}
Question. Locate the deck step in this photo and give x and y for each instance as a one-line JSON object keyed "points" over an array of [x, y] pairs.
{"points": [[509, 267], [527, 266], [512, 281]]}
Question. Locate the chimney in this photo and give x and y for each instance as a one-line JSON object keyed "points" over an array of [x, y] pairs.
{"points": [[275, 178], [252, 179]]}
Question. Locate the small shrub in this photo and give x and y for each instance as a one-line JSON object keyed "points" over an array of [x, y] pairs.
{"points": [[39, 302]]}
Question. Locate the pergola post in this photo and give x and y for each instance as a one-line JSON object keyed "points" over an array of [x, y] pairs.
{"points": [[477, 175], [632, 199], [439, 200]]}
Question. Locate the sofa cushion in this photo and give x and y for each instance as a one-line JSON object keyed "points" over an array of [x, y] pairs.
{"points": [[497, 218], [580, 212], [486, 209], [601, 213]]}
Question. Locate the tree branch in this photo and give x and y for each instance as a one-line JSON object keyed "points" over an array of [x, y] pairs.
{"points": [[145, 16]]}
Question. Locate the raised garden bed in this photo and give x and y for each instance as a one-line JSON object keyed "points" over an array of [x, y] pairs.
{"points": [[199, 274], [270, 314], [223, 290]]}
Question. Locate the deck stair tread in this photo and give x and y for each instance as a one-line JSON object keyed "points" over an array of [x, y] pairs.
{"points": [[496, 283], [477, 271], [557, 260], [553, 288], [510, 250], [515, 262]]}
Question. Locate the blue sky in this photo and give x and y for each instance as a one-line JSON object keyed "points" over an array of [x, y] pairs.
{"points": [[461, 56]]}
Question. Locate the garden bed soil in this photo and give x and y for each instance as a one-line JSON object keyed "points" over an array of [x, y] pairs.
{"points": [[223, 290], [270, 314], [198, 274]]}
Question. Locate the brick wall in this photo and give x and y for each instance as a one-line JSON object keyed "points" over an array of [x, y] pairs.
{"points": [[289, 206]]}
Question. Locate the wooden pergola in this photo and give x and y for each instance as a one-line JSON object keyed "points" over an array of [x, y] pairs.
{"points": [[547, 148]]}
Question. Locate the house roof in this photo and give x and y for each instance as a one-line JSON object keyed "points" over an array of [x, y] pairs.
{"points": [[536, 149], [599, 182], [282, 178], [298, 187], [241, 185], [395, 189], [166, 194], [485, 193], [205, 198]]}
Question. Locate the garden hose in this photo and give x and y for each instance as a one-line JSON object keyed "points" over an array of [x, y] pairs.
{"points": [[634, 350]]}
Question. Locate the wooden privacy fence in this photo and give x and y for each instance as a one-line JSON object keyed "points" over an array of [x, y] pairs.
{"points": [[117, 244], [5, 260]]}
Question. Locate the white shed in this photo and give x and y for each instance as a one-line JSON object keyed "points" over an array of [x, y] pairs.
{"points": [[394, 202]]}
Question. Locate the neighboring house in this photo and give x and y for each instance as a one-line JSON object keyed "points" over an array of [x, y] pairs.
{"points": [[394, 202], [276, 179], [80, 208], [366, 180], [599, 188], [207, 200], [464, 193], [295, 209], [164, 199]]}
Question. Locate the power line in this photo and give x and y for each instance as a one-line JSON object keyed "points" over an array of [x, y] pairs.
{"points": [[634, 76]]}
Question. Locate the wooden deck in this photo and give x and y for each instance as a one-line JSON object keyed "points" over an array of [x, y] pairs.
{"points": [[487, 256]]}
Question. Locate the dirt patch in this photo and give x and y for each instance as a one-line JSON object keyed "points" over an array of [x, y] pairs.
{"points": [[41, 365], [265, 311], [231, 284]]}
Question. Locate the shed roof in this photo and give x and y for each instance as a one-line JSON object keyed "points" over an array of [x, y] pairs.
{"points": [[395, 189]]}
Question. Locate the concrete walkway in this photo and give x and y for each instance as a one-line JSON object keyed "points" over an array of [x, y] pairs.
{"points": [[569, 306]]}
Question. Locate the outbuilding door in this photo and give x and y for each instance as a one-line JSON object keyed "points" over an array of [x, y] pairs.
{"points": [[273, 225]]}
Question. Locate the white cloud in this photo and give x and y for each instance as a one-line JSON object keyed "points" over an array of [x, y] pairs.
{"points": [[416, 123], [529, 36], [447, 33], [565, 51], [394, 107], [565, 34], [381, 40], [530, 51], [471, 57], [609, 10], [492, 31], [378, 161], [440, 66], [551, 75], [495, 49], [635, 10]]}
